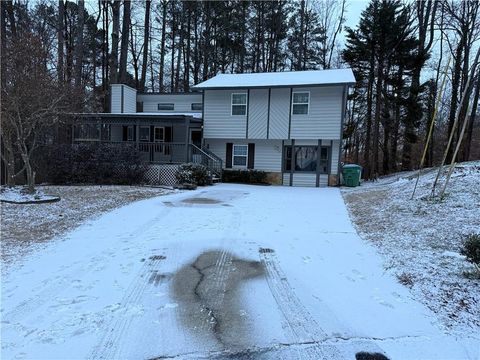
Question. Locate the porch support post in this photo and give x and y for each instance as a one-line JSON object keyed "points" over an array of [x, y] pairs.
{"points": [[187, 130], [292, 163], [319, 151]]}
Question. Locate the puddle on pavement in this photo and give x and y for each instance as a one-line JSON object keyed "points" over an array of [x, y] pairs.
{"points": [[370, 356], [207, 292], [201, 201]]}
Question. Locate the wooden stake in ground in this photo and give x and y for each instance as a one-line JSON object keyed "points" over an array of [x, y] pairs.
{"points": [[432, 125], [457, 116]]}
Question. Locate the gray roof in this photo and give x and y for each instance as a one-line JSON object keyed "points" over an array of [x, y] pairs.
{"points": [[279, 79]]}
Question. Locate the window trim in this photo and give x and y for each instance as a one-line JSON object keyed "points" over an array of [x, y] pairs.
{"points": [[172, 109], [232, 104], [245, 156], [200, 109], [163, 133], [307, 103]]}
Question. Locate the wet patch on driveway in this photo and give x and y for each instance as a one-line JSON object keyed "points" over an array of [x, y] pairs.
{"points": [[201, 201], [207, 291]]}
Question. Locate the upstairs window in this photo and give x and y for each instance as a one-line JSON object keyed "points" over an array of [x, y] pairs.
{"points": [[239, 104], [197, 106], [166, 106], [300, 103], [240, 155]]}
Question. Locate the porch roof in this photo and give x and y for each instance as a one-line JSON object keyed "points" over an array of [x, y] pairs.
{"points": [[192, 118]]}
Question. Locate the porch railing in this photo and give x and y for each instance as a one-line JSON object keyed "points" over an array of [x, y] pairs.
{"points": [[171, 153], [205, 157]]}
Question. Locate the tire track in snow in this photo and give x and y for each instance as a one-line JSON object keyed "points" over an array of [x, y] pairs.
{"points": [[110, 343], [302, 326]]}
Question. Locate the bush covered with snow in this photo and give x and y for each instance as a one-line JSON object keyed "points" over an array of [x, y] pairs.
{"points": [[245, 176], [91, 164], [192, 173], [471, 249]]}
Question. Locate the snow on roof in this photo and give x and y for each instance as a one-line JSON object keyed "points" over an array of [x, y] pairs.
{"points": [[271, 79], [197, 115]]}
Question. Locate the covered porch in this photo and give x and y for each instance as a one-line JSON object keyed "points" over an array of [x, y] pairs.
{"points": [[160, 138]]}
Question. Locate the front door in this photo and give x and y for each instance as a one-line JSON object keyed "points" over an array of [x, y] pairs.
{"points": [[196, 137]]}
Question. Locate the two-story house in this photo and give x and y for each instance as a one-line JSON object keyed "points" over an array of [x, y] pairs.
{"points": [[288, 124]]}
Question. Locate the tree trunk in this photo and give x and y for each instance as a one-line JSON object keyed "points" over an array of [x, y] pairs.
{"points": [[60, 40], [378, 111], [146, 40], [124, 44], [115, 38], [79, 44], [162, 47], [473, 117], [186, 75]]}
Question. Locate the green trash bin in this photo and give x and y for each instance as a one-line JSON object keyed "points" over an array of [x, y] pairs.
{"points": [[351, 174]]}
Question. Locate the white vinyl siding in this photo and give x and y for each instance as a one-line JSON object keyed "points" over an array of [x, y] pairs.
{"points": [[258, 114], [129, 99], [217, 119], [116, 99], [279, 113], [308, 180], [323, 120], [182, 102], [268, 153]]}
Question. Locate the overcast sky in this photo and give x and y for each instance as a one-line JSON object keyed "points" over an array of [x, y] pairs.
{"points": [[354, 9]]}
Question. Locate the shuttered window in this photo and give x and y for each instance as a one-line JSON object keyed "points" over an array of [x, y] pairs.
{"points": [[240, 155]]}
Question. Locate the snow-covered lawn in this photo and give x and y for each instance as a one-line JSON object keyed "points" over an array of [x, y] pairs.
{"points": [[228, 271], [25, 226], [420, 239]]}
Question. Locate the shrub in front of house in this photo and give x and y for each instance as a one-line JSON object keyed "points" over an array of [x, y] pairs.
{"points": [[192, 173], [91, 164], [471, 249], [244, 176]]}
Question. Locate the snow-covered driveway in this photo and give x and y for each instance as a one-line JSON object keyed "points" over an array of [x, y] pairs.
{"points": [[229, 271]]}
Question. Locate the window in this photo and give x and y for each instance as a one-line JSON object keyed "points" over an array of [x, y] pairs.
{"points": [[324, 160], [144, 133], [130, 133], [87, 132], [197, 106], [240, 154], [239, 104], [159, 134], [300, 103], [306, 158], [166, 106]]}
